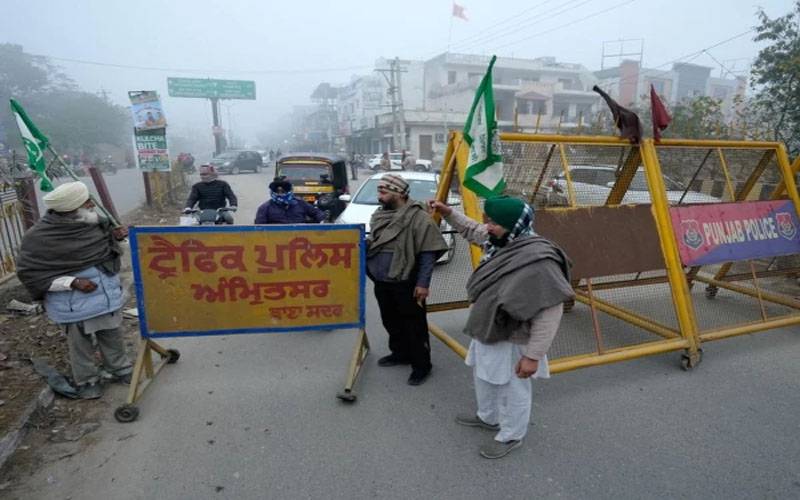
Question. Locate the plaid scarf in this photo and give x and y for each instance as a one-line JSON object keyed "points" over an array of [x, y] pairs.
{"points": [[523, 227]]}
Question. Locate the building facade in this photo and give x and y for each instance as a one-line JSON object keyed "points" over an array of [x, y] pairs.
{"points": [[629, 84]]}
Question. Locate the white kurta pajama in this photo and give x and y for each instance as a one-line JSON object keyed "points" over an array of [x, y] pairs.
{"points": [[503, 398]]}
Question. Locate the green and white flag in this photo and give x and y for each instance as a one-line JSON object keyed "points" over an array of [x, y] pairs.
{"points": [[484, 174], [35, 143]]}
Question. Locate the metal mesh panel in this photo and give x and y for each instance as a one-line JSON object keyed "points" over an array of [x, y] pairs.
{"points": [[702, 175], [576, 334], [552, 175], [535, 171], [449, 283]]}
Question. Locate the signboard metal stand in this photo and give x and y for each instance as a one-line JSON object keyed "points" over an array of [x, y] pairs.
{"points": [[144, 362], [359, 355]]}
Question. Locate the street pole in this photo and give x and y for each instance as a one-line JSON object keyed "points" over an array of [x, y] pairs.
{"points": [[215, 115], [393, 91], [66, 169], [401, 111]]}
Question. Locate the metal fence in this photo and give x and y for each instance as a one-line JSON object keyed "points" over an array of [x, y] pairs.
{"points": [[607, 202], [11, 230]]}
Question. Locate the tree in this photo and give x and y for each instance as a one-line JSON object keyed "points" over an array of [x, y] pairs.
{"points": [[775, 76], [698, 118], [74, 120]]}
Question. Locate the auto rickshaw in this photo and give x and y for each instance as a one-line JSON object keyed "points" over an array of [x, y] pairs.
{"points": [[317, 178]]}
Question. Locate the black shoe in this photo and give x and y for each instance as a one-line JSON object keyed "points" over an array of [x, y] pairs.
{"points": [[418, 376], [392, 360]]}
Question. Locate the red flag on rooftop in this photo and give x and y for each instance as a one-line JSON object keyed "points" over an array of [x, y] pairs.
{"points": [[459, 11], [660, 114]]}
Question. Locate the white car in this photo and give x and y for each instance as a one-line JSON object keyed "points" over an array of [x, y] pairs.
{"points": [[592, 185], [374, 162], [422, 187]]}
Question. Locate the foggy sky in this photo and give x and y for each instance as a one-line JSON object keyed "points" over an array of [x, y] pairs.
{"points": [[302, 43]]}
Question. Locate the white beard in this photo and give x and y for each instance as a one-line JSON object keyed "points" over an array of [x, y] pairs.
{"points": [[88, 216]]}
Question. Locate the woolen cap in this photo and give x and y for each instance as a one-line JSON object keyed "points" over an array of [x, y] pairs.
{"points": [[280, 183], [504, 210], [393, 183]]}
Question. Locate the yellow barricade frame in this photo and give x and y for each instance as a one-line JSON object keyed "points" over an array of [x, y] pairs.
{"points": [[687, 336]]}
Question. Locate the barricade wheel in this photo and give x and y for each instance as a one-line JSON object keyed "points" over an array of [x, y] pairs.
{"points": [[126, 413], [347, 396], [711, 291], [689, 362], [174, 356]]}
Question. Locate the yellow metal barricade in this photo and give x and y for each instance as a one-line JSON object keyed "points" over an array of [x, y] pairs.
{"points": [[612, 206]]}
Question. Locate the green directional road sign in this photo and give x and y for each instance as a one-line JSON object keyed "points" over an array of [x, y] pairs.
{"points": [[211, 89]]}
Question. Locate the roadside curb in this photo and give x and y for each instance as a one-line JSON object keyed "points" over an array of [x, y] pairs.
{"points": [[18, 431]]}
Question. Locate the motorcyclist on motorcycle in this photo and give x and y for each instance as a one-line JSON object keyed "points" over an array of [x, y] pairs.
{"points": [[284, 208], [211, 193]]}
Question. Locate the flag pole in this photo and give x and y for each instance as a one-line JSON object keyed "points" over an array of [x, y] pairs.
{"points": [[446, 178], [446, 56], [68, 170]]}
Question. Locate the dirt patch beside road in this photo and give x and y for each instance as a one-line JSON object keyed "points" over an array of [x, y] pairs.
{"points": [[23, 338]]}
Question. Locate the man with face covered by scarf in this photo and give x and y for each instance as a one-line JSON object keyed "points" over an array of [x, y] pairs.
{"points": [[402, 249], [516, 293], [284, 208], [71, 260]]}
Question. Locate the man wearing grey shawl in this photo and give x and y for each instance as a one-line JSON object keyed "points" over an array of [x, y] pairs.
{"points": [[516, 293], [71, 260], [403, 246]]}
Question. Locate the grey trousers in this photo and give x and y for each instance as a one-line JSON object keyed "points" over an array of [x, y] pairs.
{"points": [[82, 349]]}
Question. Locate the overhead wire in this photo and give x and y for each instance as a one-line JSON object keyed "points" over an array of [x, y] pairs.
{"points": [[208, 70], [481, 32], [523, 24], [545, 32]]}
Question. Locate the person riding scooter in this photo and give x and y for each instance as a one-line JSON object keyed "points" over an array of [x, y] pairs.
{"points": [[284, 208], [211, 193]]}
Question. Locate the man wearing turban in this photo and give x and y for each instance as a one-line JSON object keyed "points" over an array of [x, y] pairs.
{"points": [[70, 259], [516, 293], [402, 249]]}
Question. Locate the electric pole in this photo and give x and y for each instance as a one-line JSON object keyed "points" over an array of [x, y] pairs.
{"points": [[215, 117], [400, 110], [394, 92]]}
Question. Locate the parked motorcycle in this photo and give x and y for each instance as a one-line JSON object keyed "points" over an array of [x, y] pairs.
{"points": [[207, 217]]}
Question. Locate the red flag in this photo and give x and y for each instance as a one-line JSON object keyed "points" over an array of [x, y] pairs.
{"points": [[458, 11], [660, 114]]}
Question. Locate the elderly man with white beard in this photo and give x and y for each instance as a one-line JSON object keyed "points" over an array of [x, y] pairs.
{"points": [[70, 259]]}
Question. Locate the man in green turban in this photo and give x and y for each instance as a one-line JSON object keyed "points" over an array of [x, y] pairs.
{"points": [[516, 293]]}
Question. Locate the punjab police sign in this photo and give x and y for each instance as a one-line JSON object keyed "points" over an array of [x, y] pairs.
{"points": [[725, 232], [219, 280]]}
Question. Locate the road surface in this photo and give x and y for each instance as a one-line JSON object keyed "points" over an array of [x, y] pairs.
{"points": [[254, 416]]}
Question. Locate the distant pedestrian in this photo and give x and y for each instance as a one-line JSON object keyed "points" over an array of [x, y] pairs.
{"points": [[409, 161], [386, 162], [353, 166]]}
